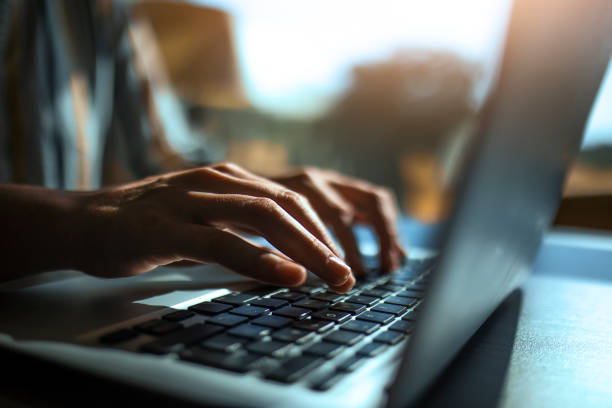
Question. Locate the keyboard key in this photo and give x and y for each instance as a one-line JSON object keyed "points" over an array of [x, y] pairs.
{"points": [[361, 326], [378, 317], [292, 312], [403, 301], [324, 349], [352, 363], [224, 343], [269, 303], [240, 362], [328, 297], [372, 349], [210, 308], [389, 337], [310, 290], [276, 322], [295, 368], [327, 381], [410, 293], [178, 315], [289, 296], [317, 325], [119, 336], [236, 299], [184, 337], [348, 338], [157, 327], [264, 290], [352, 308], [227, 319], [312, 304], [270, 348], [334, 316], [249, 311], [250, 331], [363, 300], [389, 308], [379, 293], [419, 287], [291, 335], [404, 326], [391, 287], [410, 316]]}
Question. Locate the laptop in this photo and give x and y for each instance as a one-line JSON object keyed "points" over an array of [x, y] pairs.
{"points": [[223, 342]]}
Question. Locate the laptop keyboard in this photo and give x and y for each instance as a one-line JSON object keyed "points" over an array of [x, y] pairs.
{"points": [[283, 334]]}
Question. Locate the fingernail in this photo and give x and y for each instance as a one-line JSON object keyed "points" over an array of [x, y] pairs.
{"points": [[342, 270]]}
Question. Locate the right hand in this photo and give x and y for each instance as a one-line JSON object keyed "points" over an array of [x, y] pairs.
{"points": [[195, 215]]}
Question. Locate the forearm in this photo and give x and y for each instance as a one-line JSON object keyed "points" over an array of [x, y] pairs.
{"points": [[36, 233]]}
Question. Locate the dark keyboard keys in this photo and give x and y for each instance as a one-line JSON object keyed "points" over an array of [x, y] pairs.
{"points": [[317, 325], [363, 300], [403, 301], [352, 308], [184, 337], [224, 343], [239, 362], [270, 348], [227, 319], [178, 315], [269, 303], [332, 315], [289, 296], [312, 304], [389, 308], [291, 335], [324, 349], [348, 338], [404, 326], [361, 326], [210, 308], [372, 349], [119, 336], [391, 287], [249, 311], [295, 368], [292, 312], [236, 299], [276, 322], [327, 297], [377, 317], [249, 331], [389, 337]]}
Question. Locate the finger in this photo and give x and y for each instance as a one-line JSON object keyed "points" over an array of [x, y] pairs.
{"points": [[339, 215], [295, 204], [377, 207], [272, 222], [209, 244]]}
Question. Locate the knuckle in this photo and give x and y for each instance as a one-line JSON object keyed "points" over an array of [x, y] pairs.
{"points": [[266, 205], [293, 198], [227, 166]]}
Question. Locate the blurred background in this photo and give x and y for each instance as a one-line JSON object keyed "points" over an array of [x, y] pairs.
{"points": [[386, 91]]}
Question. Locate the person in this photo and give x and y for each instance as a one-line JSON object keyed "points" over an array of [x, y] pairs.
{"points": [[74, 106]]}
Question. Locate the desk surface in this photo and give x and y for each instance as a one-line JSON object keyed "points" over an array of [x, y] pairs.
{"points": [[550, 343]]}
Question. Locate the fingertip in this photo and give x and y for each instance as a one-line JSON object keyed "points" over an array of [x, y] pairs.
{"points": [[281, 271], [345, 287]]}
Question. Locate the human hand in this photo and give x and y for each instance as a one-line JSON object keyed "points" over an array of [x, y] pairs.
{"points": [[196, 215]]}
